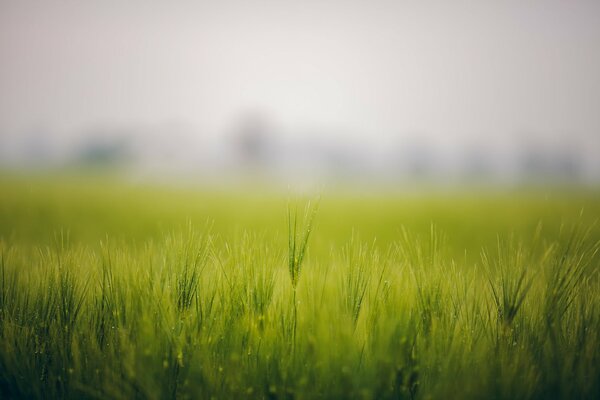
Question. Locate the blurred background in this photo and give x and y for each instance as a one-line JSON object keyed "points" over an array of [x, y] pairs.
{"points": [[389, 93]]}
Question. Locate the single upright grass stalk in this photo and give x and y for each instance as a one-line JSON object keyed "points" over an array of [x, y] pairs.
{"points": [[356, 279], [297, 246]]}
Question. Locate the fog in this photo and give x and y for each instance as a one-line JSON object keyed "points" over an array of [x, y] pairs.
{"points": [[338, 90]]}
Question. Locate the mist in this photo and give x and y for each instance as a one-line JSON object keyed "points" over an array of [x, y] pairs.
{"points": [[386, 91]]}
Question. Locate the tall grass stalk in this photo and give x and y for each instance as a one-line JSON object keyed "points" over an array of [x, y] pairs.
{"points": [[297, 246], [359, 262]]}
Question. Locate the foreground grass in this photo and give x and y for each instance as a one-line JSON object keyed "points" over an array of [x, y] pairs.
{"points": [[107, 292]]}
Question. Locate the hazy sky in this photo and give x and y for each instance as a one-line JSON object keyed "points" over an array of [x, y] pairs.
{"points": [[374, 69]]}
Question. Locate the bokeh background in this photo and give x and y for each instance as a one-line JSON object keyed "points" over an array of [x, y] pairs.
{"points": [[388, 93]]}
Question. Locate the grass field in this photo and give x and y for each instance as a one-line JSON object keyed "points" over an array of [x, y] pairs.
{"points": [[114, 290]]}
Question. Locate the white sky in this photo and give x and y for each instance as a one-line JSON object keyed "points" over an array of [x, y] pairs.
{"points": [[372, 69]]}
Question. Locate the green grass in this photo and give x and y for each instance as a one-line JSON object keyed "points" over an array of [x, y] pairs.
{"points": [[113, 290]]}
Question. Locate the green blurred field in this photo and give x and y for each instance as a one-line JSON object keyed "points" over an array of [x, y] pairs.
{"points": [[116, 290]]}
